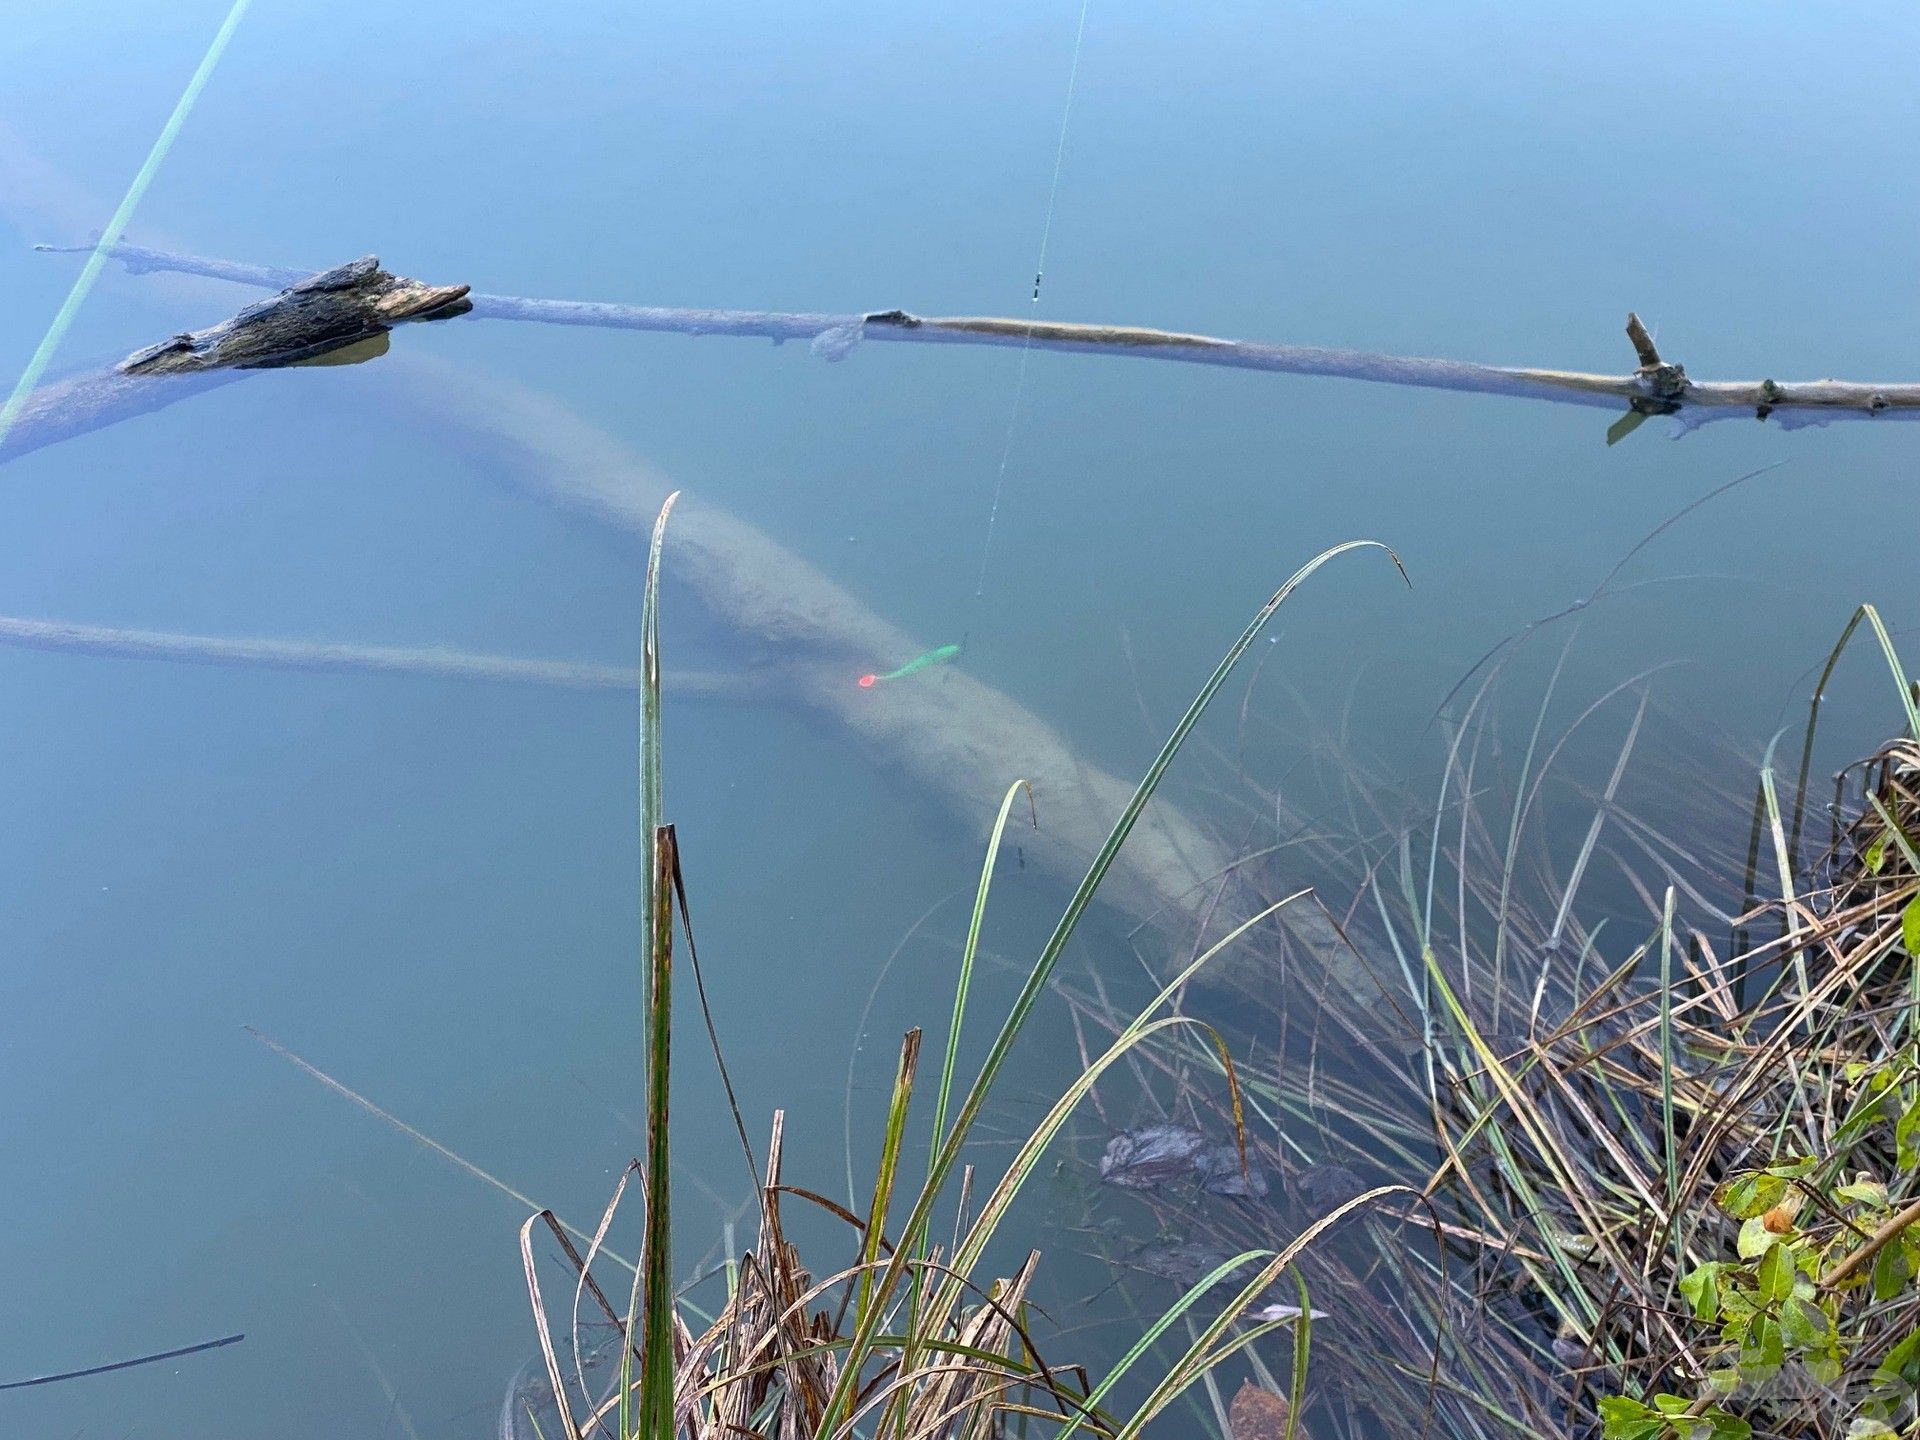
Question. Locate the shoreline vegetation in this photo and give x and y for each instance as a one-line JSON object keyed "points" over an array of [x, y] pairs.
{"points": [[1678, 1176]]}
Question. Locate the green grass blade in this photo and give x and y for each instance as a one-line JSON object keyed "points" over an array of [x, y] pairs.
{"points": [[840, 1402], [1302, 1342], [655, 1421], [1159, 1327], [1206, 1352], [889, 1166], [657, 1301], [967, 958], [1668, 1134]]}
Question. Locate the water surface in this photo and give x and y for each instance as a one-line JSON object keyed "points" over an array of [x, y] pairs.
{"points": [[428, 886]]}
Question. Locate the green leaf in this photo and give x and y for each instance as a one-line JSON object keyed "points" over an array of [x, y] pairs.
{"points": [[1910, 926], [1625, 426], [1863, 1191], [1701, 1286], [1892, 1269], [1876, 854], [1747, 1195], [1765, 1350], [1803, 1325], [1623, 1418], [1902, 1364], [1776, 1273], [1905, 1130], [1755, 1238]]}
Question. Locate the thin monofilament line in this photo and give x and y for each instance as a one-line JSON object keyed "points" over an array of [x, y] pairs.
{"points": [[116, 227], [1026, 342]]}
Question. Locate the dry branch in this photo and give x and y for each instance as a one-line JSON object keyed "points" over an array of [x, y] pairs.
{"points": [[1656, 387], [306, 655]]}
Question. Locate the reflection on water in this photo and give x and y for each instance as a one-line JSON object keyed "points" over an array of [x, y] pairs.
{"points": [[425, 881]]}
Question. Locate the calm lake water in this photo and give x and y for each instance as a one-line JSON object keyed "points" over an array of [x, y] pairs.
{"points": [[426, 886]]}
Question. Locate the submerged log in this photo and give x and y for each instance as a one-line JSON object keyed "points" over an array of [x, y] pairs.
{"points": [[1655, 387], [307, 655]]}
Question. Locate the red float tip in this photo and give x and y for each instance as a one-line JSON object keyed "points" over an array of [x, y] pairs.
{"points": [[866, 681]]}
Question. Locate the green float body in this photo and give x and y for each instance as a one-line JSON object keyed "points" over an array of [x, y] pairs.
{"points": [[919, 662]]}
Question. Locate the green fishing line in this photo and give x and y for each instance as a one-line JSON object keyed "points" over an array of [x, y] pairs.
{"points": [[116, 227], [919, 662]]}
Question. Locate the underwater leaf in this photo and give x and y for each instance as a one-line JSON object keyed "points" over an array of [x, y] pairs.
{"points": [[1257, 1414], [1580, 1247], [1150, 1155], [1326, 1187], [1625, 426], [1219, 1172]]}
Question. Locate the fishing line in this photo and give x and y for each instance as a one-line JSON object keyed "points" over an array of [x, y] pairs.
{"points": [[116, 227], [1039, 272]]}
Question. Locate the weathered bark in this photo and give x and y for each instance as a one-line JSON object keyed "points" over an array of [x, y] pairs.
{"points": [[337, 310], [337, 316], [1656, 388]]}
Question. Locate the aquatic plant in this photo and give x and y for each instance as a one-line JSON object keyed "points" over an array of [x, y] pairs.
{"points": [[907, 1339]]}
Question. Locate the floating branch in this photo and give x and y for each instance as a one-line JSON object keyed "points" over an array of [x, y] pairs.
{"points": [[377, 659], [108, 1369], [339, 316], [1655, 387]]}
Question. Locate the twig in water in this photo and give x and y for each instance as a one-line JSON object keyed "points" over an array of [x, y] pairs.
{"points": [[125, 1364]]}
